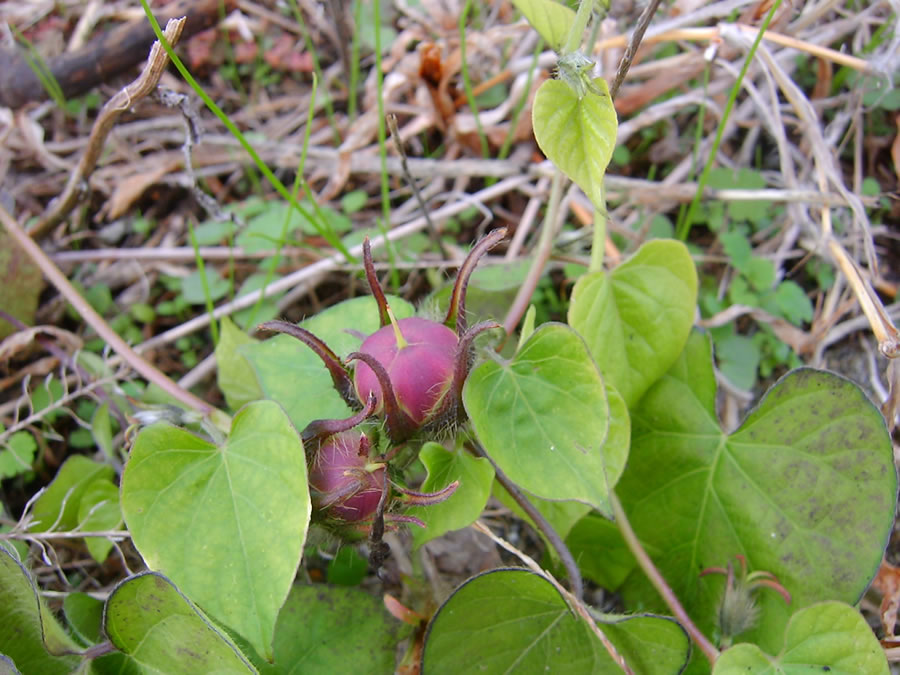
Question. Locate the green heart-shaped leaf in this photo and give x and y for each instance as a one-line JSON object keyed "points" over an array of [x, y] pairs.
{"points": [[544, 418], [58, 506], [805, 489], [577, 134], [289, 372], [462, 508], [234, 375], [552, 20], [326, 629], [29, 633], [226, 523], [149, 619], [637, 319], [515, 621], [829, 637]]}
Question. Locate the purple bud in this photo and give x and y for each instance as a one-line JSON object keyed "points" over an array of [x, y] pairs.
{"points": [[344, 484]]}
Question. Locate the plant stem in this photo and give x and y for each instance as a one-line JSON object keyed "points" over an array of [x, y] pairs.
{"points": [[633, 44], [659, 583], [576, 32], [565, 555], [541, 255], [92, 318], [598, 243]]}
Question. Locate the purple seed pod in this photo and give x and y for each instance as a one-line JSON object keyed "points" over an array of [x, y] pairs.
{"points": [[344, 484]]}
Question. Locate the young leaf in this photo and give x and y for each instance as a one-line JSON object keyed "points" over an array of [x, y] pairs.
{"points": [[544, 418], [60, 503], [333, 630], [29, 634], [829, 637], [289, 372], [21, 283], [552, 20], [98, 510], [235, 375], [805, 489], [17, 457], [462, 508], [150, 620], [577, 134], [512, 620], [637, 318], [226, 523]]}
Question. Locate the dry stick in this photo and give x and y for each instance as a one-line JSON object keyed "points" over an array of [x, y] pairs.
{"points": [[573, 602], [92, 318], [659, 583], [540, 522], [122, 101], [633, 44]]}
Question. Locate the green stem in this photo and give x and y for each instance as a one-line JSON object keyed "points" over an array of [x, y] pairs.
{"points": [[467, 82], [576, 32], [684, 228], [598, 244], [659, 583]]}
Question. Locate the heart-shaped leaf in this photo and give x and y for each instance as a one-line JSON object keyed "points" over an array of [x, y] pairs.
{"points": [[327, 629], [149, 619], [512, 620], [829, 637], [99, 510], [29, 633], [234, 374], [805, 489], [58, 506], [636, 319], [226, 523], [552, 20], [289, 372], [577, 134], [544, 418], [462, 508]]}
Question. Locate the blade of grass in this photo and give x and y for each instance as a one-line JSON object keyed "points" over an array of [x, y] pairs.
{"points": [[201, 267], [384, 221], [684, 227], [40, 68], [467, 82], [354, 66], [322, 228]]}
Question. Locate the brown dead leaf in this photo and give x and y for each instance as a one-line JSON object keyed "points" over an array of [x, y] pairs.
{"points": [[21, 340], [128, 190], [887, 582], [199, 48], [21, 283], [285, 56], [822, 88]]}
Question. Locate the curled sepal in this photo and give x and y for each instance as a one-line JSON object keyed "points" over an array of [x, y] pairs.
{"points": [[456, 312], [400, 426], [391, 518], [339, 375], [413, 498], [319, 430], [377, 292]]}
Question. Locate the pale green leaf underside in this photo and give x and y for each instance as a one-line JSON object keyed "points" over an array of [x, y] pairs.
{"points": [[637, 318], [552, 20], [578, 135], [226, 524], [149, 619], [828, 637], [544, 418]]}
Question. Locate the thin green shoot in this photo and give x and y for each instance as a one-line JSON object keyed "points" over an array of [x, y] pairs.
{"points": [[298, 183], [576, 31], [467, 81], [598, 242], [322, 228], [41, 70], [520, 105], [201, 267], [230, 59], [385, 220], [684, 228], [354, 66], [317, 68]]}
